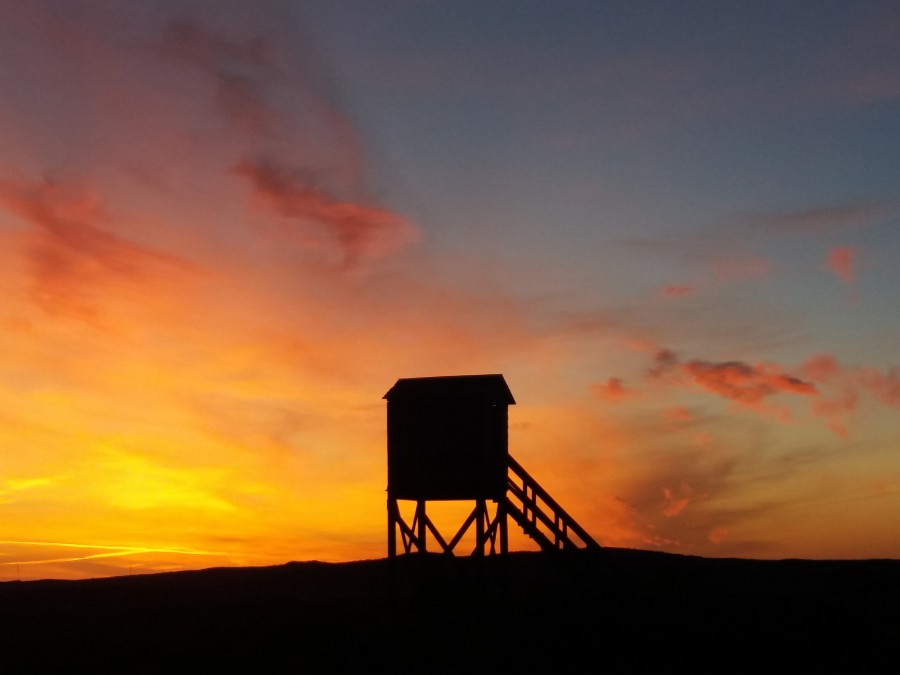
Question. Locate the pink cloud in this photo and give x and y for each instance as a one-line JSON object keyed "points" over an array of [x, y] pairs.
{"points": [[745, 384], [749, 386], [886, 386], [846, 387], [313, 218], [821, 367], [677, 291], [72, 250], [613, 390], [841, 261], [677, 414]]}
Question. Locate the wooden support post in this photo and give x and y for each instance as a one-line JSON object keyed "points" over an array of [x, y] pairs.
{"points": [[421, 519], [392, 527], [504, 530], [481, 510]]}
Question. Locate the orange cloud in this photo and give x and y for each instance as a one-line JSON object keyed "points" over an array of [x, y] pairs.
{"points": [[313, 218], [717, 535], [676, 503], [841, 261]]}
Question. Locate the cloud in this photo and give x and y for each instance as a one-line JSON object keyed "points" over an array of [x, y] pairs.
{"points": [[745, 384], [826, 218], [672, 494], [821, 368], [677, 413], [677, 500], [675, 291], [718, 535], [239, 70], [266, 88], [886, 386], [834, 391], [663, 361], [72, 251], [845, 388], [613, 390], [841, 261], [312, 218]]}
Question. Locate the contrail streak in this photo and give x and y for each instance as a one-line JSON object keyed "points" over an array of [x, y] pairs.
{"points": [[109, 551]]}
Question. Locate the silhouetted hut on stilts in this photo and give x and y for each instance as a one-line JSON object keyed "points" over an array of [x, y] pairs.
{"points": [[448, 440]]}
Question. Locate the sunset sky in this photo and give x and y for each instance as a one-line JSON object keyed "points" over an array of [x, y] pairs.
{"points": [[227, 228]]}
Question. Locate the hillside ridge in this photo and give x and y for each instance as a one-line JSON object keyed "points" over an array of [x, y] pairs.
{"points": [[529, 610]]}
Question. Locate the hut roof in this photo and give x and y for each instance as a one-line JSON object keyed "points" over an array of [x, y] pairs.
{"points": [[492, 388]]}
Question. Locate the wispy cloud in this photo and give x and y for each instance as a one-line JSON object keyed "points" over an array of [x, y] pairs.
{"points": [[312, 218], [824, 218], [833, 391], [72, 251], [101, 551], [845, 388], [238, 69], [677, 291]]}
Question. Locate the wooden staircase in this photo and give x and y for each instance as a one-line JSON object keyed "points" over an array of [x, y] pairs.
{"points": [[539, 515]]}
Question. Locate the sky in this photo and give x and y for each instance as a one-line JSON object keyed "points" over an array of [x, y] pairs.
{"points": [[228, 228]]}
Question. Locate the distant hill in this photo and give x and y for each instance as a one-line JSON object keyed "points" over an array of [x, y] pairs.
{"points": [[615, 610]]}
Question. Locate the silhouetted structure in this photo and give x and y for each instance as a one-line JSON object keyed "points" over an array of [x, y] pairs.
{"points": [[448, 440]]}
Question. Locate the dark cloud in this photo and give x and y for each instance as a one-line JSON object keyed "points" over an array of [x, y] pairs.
{"points": [[663, 362]]}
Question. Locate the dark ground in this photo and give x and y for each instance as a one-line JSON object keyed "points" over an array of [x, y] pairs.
{"points": [[612, 611]]}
